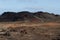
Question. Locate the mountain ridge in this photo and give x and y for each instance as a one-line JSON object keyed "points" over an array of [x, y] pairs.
{"points": [[29, 16]]}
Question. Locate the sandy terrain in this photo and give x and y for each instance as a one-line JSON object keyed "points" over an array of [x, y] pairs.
{"points": [[29, 31]]}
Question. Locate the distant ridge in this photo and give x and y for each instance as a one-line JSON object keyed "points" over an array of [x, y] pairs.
{"points": [[29, 16]]}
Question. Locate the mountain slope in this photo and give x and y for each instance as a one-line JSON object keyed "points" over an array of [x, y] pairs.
{"points": [[29, 16]]}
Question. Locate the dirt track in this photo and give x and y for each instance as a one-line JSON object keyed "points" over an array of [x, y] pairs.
{"points": [[28, 24]]}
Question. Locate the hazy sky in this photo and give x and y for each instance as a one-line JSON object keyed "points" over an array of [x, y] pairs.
{"points": [[52, 6]]}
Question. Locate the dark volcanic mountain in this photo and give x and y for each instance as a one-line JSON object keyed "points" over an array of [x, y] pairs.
{"points": [[29, 16]]}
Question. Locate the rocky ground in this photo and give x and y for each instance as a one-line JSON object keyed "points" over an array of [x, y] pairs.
{"points": [[50, 31]]}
